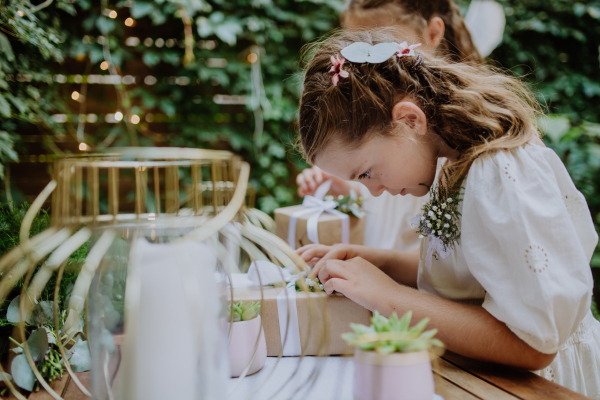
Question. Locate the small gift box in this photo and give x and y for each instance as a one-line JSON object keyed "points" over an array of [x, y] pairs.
{"points": [[311, 314], [321, 220], [316, 320]]}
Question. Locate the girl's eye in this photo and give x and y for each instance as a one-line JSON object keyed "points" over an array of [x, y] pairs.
{"points": [[364, 175]]}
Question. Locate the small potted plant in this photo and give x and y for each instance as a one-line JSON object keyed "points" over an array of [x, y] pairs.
{"points": [[245, 330], [391, 359]]}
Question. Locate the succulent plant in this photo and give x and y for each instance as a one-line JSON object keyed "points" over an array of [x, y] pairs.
{"points": [[243, 311], [391, 335]]}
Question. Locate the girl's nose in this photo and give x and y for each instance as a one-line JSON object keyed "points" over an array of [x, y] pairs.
{"points": [[375, 189]]}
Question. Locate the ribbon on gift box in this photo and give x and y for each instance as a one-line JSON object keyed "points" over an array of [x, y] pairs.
{"points": [[286, 300], [316, 206], [435, 244]]}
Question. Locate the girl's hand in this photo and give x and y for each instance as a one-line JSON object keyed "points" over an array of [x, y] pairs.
{"points": [[309, 180], [360, 281], [318, 254]]}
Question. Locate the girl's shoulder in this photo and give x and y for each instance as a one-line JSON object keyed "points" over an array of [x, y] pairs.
{"points": [[523, 167]]}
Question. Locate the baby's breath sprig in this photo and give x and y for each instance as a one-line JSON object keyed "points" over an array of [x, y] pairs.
{"points": [[312, 285], [440, 215]]}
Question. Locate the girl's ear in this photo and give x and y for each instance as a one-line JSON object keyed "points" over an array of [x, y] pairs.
{"points": [[434, 33], [411, 115]]}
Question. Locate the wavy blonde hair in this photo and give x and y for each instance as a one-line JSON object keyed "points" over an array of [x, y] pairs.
{"points": [[473, 108]]}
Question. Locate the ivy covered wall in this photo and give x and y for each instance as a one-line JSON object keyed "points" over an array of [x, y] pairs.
{"points": [[80, 76]]}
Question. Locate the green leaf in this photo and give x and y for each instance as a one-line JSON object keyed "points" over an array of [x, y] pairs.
{"points": [[80, 359], [248, 314], [366, 346], [42, 314], [151, 58], [386, 349], [405, 322], [4, 107], [12, 313], [361, 329], [554, 126], [141, 9], [228, 32], [428, 334], [6, 48], [22, 373], [420, 327], [105, 25], [38, 345], [10, 378]]}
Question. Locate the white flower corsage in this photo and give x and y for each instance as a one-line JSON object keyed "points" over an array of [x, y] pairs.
{"points": [[439, 222]]}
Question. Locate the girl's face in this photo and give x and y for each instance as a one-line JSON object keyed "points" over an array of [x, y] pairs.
{"points": [[402, 163], [399, 164]]}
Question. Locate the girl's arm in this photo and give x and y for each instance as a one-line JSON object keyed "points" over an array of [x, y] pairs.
{"points": [[464, 329], [400, 266]]}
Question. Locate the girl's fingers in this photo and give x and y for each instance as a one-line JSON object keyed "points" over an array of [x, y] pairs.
{"points": [[335, 284], [310, 179], [317, 251], [305, 247], [336, 253], [318, 175], [332, 269], [302, 186]]}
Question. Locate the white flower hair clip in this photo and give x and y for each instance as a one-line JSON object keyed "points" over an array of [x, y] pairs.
{"points": [[361, 52]]}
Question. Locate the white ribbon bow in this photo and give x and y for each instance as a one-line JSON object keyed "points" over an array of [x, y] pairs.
{"points": [[316, 205], [435, 244]]}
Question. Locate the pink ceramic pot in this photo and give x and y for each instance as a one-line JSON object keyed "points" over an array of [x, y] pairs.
{"points": [[396, 376], [241, 347]]}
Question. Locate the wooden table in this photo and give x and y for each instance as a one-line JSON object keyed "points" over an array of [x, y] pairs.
{"points": [[456, 378]]}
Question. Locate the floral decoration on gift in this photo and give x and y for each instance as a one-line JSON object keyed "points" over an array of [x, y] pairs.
{"points": [[351, 205], [313, 285], [439, 221]]}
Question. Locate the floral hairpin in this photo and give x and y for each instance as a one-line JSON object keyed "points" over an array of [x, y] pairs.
{"points": [[361, 52], [337, 70], [404, 50]]}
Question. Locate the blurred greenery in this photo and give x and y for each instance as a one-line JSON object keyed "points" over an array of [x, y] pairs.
{"points": [[225, 75], [232, 41], [10, 226]]}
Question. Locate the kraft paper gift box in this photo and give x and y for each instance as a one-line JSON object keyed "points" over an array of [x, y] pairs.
{"points": [[318, 221], [341, 312], [329, 227]]}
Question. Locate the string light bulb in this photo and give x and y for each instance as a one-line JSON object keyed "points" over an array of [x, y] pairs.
{"points": [[135, 119], [20, 13], [129, 21], [83, 146], [112, 14], [118, 116], [252, 58], [75, 95], [104, 65]]}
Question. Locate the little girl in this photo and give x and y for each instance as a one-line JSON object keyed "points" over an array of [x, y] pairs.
{"points": [[503, 271], [437, 24]]}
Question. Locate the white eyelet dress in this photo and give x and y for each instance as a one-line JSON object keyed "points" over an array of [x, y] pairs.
{"points": [[527, 238]]}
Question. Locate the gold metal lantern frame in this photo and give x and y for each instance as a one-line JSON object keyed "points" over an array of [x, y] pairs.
{"points": [[201, 193]]}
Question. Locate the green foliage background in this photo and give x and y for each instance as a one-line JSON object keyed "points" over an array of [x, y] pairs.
{"points": [[552, 44]]}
